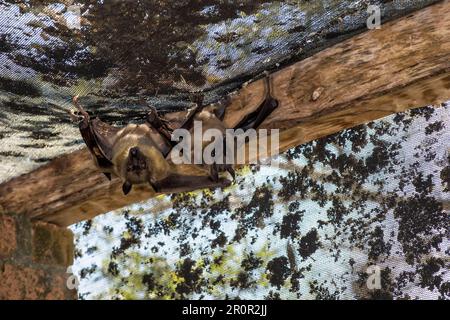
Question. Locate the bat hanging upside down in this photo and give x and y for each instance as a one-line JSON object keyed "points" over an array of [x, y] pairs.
{"points": [[138, 153]]}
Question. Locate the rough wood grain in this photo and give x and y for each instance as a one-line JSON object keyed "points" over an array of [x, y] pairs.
{"points": [[405, 64]]}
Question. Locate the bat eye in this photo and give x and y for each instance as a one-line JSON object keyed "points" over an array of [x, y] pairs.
{"points": [[143, 165]]}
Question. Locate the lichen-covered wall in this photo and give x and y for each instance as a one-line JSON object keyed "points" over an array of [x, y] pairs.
{"points": [[121, 54], [374, 195], [34, 260]]}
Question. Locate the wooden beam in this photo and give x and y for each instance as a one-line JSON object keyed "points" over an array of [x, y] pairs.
{"points": [[403, 65]]}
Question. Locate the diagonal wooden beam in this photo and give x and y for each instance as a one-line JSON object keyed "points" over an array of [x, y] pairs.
{"points": [[405, 64]]}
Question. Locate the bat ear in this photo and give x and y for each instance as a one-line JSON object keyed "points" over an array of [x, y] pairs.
{"points": [[155, 186], [126, 187]]}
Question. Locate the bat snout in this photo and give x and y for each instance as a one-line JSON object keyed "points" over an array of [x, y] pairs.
{"points": [[137, 162]]}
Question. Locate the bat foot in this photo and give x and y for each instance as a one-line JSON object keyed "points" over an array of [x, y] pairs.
{"points": [[80, 110], [80, 115], [76, 116]]}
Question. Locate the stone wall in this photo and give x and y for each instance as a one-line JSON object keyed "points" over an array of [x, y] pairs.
{"points": [[34, 258]]}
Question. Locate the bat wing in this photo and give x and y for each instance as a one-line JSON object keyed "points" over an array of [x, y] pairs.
{"points": [[164, 147], [99, 138], [105, 136]]}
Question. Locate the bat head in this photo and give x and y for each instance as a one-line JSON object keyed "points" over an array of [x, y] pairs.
{"points": [[137, 169], [138, 161]]}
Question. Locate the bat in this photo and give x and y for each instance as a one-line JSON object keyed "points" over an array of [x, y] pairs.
{"points": [[140, 153], [135, 153]]}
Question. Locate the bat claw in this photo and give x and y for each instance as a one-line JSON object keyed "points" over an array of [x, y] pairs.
{"points": [[76, 116], [80, 114]]}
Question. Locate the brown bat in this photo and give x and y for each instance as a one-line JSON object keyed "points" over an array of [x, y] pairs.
{"points": [[137, 154]]}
